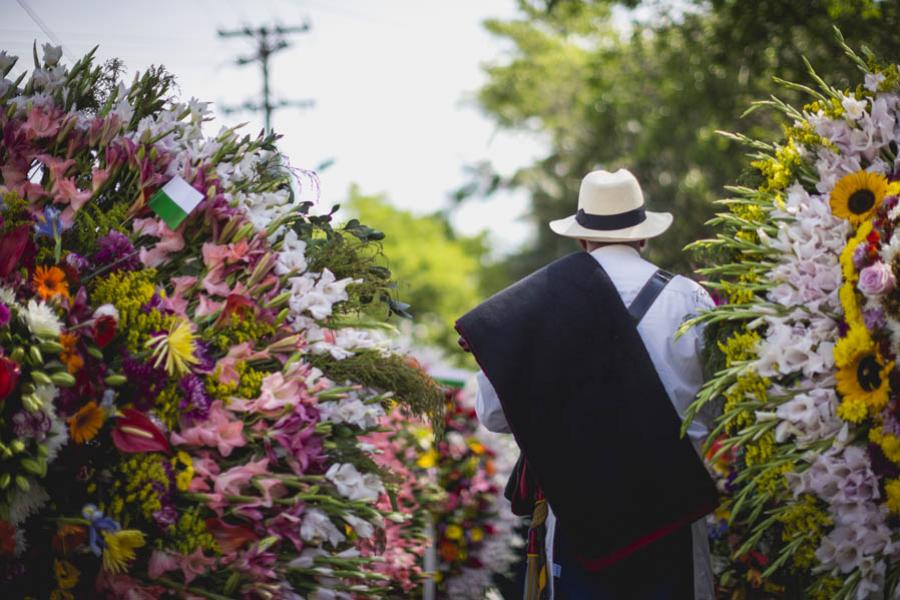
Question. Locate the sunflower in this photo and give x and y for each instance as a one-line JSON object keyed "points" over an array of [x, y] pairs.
{"points": [[857, 196], [862, 376], [50, 282], [85, 424]]}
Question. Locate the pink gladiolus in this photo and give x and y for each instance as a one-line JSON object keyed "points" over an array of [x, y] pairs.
{"points": [[40, 124], [217, 430], [160, 563], [231, 481], [231, 538], [194, 564], [134, 432], [169, 241]]}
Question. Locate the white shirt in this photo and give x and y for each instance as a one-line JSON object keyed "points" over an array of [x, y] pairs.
{"points": [[677, 362]]}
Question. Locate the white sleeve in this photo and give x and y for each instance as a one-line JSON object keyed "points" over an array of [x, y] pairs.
{"points": [[487, 407]]}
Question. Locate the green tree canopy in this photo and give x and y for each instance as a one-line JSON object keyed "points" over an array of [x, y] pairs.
{"points": [[652, 98], [438, 272]]}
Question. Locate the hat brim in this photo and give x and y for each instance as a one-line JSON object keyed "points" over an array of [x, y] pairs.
{"points": [[655, 224]]}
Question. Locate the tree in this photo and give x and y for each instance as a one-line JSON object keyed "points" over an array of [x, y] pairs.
{"points": [[653, 98], [438, 272]]}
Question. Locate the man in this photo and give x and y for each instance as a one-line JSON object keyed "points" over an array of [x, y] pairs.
{"points": [[587, 373]]}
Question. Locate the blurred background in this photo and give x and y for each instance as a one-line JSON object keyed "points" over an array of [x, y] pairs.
{"points": [[460, 128]]}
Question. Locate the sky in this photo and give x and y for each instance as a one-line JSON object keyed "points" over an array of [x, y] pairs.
{"points": [[393, 83]]}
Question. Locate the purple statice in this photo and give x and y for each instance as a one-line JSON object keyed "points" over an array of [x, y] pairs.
{"points": [[4, 315], [195, 402], [145, 382], [28, 425], [115, 249], [861, 256]]}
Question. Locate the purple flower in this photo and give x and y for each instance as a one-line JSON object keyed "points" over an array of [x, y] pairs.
{"points": [[860, 256], [195, 403], [4, 315], [30, 425], [144, 382], [115, 248], [77, 262], [47, 223], [876, 279], [296, 433], [873, 318]]}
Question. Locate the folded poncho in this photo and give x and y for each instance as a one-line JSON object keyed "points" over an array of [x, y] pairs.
{"points": [[596, 427]]}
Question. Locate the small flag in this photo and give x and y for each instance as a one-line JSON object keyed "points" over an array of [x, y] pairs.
{"points": [[175, 201]]}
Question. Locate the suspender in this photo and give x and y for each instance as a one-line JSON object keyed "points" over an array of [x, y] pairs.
{"points": [[645, 298]]}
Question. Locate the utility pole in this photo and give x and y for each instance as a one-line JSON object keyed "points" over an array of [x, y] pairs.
{"points": [[269, 40]]}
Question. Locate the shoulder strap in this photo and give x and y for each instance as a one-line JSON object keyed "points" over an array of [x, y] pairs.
{"points": [[645, 298]]}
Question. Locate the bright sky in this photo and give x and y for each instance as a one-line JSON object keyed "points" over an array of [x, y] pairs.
{"points": [[392, 81]]}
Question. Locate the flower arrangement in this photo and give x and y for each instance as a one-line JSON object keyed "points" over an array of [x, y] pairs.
{"points": [[804, 350], [185, 381]]}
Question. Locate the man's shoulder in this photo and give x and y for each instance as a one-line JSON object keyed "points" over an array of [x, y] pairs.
{"points": [[689, 292]]}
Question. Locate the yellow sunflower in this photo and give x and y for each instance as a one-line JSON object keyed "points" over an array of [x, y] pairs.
{"points": [[862, 376], [857, 196]]}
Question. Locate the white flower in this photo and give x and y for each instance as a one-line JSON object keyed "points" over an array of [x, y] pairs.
{"points": [[7, 296], [363, 528], [24, 504], [872, 81], [355, 485], [52, 54], [317, 296], [317, 528], [292, 256], [41, 320], [6, 62], [853, 108], [353, 411]]}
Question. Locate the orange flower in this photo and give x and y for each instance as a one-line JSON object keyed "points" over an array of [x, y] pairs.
{"points": [[69, 355], [68, 538], [85, 424], [51, 282]]}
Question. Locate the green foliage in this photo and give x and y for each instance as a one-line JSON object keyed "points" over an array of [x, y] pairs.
{"points": [[653, 98], [418, 393], [437, 271]]}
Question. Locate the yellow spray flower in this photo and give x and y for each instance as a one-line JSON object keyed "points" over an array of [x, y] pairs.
{"points": [[428, 459], [892, 489], [175, 348], [453, 532], [857, 196], [184, 467], [66, 574], [120, 547], [888, 442]]}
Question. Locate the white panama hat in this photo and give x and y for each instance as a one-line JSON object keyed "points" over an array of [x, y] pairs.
{"points": [[611, 209]]}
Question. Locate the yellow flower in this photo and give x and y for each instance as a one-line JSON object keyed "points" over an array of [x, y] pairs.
{"points": [[428, 459], [185, 473], [889, 443], [851, 346], [852, 410], [175, 348], [66, 574], [848, 270], [892, 489], [476, 447], [476, 535], [85, 424], [862, 376], [453, 532], [60, 594], [119, 550], [857, 196]]}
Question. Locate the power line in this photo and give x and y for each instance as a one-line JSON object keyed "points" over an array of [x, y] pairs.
{"points": [[43, 26], [269, 40]]}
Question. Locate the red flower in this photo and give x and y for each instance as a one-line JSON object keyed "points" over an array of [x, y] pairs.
{"points": [[104, 330], [230, 537], [12, 246], [236, 305], [134, 432], [7, 539], [9, 376]]}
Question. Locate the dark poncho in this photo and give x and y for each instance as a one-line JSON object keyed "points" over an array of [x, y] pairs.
{"points": [[586, 406]]}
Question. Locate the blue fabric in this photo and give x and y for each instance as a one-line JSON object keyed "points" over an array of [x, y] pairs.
{"points": [[662, 571]]}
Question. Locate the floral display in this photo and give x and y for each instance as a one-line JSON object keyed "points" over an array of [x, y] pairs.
{"points": [[184, 398], [804, 349]]}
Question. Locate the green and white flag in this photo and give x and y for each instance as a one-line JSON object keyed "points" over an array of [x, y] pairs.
{"points": [[175, 201]]}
